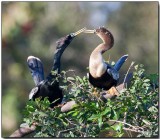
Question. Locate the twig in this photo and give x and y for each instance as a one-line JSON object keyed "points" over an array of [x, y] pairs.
{"points": [[122, 123], [125, 116], [134, 127], [128, 72], [71, 122], [64, 131], [133, 130]]}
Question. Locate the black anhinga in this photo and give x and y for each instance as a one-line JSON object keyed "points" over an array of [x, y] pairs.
{"points": [[102, 74], [47, 87]]}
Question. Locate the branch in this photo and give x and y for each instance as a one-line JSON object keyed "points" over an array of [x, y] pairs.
{"points": [[133, 128], [23, 131]]}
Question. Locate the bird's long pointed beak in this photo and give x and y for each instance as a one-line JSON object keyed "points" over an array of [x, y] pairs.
{"points": [[79, 31], [89, 31]]}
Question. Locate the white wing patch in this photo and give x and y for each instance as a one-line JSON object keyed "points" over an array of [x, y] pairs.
{"points": [[33, 92]]}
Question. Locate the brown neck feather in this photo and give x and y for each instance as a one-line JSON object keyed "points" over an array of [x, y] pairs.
{"points": [[103, 47]]}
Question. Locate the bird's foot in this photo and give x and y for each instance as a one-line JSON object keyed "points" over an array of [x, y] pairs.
{"points": [[111, 93]]}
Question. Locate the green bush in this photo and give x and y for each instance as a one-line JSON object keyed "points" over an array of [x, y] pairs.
{"points": [[135, 110]]}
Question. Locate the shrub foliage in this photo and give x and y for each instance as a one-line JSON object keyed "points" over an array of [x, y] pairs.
{"points": [[135, 110]]}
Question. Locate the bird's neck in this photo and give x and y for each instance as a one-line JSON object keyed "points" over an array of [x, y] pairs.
{"points": [[101, 48], [62, 45], [97, 66]]}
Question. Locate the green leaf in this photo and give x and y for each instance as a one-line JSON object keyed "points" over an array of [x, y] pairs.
{"points": [[78, 91], [118, 127], [70, 112], [106, 111], [120, 134], [71, 133], [146, 122], [97, 105], [25, 113], [65, 123], [79, 79], [45, 102], [75, 114], [43, 114], [30, 108], [100, 121], [70, 78], [112, 63], [136, 67], [153, 109], [94, 117], [114, 115], [146, 80], [106, 126]]}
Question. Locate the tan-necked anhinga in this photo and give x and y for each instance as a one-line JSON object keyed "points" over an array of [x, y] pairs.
{"points": [[46, 87], [102, 74]]}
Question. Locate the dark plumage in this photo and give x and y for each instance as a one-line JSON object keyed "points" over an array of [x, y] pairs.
{"points": [[45, 89], [49, 87], [106, 81]]}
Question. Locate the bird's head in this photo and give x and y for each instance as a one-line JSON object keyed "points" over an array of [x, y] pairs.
{"points": [[104, 34]]}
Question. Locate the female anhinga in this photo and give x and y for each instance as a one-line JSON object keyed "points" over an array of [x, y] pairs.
{"points": [[101, 74], [46, 87]]}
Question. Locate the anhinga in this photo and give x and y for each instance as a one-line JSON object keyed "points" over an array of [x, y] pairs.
{"points": [[46, 87], [102, 74]]}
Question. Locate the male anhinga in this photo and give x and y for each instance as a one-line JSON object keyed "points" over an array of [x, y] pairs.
{"points": [[102, 74], [46, 87]]}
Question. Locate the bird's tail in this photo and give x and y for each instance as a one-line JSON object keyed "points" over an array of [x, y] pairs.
{"points": [[120, 62]]}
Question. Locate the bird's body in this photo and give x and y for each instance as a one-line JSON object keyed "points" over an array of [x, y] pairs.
{"points": [[97, 66], [101, 74], [49, 87]]}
